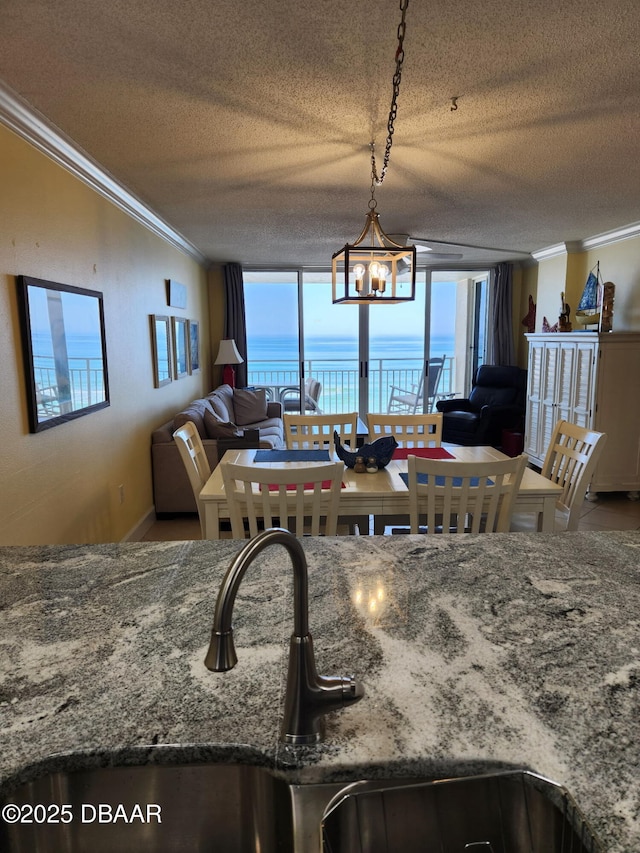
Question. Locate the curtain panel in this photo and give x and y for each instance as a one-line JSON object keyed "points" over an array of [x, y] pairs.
{"points": [[234, 317], [501, 346]]}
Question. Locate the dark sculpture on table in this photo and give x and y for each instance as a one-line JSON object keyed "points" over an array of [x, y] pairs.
{"points": [[381, 450]]}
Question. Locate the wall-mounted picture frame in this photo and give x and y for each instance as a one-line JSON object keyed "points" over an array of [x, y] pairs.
{"points": [[194, 346], [65, 351], [176, 294], [161, 349], [180, 348]]}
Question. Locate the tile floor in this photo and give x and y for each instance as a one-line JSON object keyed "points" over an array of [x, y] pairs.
{"points": [[611, 511]]}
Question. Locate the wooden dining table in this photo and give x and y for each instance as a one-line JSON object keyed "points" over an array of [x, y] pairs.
{"points": [[384, 493]]}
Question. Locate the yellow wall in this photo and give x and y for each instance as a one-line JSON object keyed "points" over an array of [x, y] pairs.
{"points": [[619, 263], [61, 485]]}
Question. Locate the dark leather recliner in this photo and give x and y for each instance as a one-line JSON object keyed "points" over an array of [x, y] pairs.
{"points": [[497, 401]]}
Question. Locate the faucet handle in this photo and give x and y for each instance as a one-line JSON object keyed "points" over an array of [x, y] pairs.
{"points": [[310, 696], [221, 655]]}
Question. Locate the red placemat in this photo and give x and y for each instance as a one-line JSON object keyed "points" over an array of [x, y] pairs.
{"points": [[291, 487], [426, 452]]}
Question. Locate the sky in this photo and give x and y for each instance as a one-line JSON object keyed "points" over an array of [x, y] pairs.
{"points": [[271, 309]]}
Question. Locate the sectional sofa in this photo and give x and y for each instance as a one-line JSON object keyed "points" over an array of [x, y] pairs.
{"points": [[225, 418]]}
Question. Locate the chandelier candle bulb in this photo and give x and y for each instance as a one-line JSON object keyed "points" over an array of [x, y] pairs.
{"points": [[382, 277], [373, 275]]}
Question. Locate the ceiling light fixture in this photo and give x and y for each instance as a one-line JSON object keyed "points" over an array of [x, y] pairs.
{"points": [[383, 271]]}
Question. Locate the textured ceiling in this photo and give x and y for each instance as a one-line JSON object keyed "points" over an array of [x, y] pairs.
{"points": [[246, 125]]}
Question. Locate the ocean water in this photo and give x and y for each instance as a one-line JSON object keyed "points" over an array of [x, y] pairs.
{"points": [[393, 361], [268, 352], [78, 346]]}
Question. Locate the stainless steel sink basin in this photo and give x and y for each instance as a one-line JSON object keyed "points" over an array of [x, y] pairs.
{"points": [[206, 807], [224, 808], [497, 813]]}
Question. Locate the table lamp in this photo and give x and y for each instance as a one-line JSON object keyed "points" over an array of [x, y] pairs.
{"points": [[228, 355]]}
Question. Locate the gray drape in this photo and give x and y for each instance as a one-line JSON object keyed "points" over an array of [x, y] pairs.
{"points": [[234, 317], [501, 347]]}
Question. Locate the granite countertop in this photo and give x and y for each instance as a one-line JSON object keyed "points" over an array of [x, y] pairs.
{"points": [[477, 654]]}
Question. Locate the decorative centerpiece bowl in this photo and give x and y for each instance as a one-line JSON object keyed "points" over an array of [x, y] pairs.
{"points": [[381, 450]]}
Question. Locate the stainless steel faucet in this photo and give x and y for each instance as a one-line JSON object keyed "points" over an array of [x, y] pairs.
{"points": [[309, 696]]}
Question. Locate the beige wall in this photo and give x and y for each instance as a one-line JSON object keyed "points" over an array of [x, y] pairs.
{"points": [[62, 485]]}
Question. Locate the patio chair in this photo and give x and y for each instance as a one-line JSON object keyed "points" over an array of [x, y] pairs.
{"points": [[463, 497], [48, 400], [409, 402], [303, 499], [290, 397], [315, 432], [570, 461], [195, 461], [408, 430]]}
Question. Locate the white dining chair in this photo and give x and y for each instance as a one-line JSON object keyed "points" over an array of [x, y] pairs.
{"points": [[423, 430], [570, 460], [315, 432], [303, 499], [195, 462], [408, 430], [463, 497]]}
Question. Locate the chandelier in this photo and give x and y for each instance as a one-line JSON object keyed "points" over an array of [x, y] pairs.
{"points": [[374, 268]]}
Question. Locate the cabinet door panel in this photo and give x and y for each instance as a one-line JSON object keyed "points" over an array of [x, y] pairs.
{"points": [[565, 388], [584, 385], [533, 440], [548, 411], [532, 430]]}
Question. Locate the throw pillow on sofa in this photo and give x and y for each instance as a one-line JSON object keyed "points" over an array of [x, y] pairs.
{"points": [[250, 405], [217, 428]]}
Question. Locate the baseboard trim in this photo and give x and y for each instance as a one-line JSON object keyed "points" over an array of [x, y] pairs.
{"points": [[137, 531]]}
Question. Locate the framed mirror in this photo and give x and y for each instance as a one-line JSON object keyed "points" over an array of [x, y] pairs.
{"points": [[161, 343], [65, 354]]}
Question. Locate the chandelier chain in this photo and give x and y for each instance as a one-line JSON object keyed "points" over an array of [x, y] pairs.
{"points": [[376, 179]]}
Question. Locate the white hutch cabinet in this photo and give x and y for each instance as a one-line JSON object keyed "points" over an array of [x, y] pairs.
{"points": [[592, 380]]}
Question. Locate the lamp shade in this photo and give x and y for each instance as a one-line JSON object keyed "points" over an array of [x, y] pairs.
{"points": [[228, 353]]}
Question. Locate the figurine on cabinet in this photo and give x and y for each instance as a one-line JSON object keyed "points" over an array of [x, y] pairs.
{"points": [[564, 321], [606, 316]]}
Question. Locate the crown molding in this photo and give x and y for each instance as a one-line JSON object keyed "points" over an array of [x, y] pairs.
{"points": [[20, 117], [625, 233], [550, 252]]}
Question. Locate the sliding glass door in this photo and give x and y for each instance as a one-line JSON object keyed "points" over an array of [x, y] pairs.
{"points": [[273, 340], [330, 344], [398, 346], [366, 358]]}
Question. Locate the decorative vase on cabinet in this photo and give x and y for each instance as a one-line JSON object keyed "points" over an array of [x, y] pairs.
{"points": [[592, 380]]}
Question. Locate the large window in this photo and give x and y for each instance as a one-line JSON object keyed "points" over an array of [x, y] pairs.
{"points": [[363, 355], [273, 343]]}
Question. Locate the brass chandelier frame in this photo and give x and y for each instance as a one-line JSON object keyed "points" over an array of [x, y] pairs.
{"points": [[370, 274]]}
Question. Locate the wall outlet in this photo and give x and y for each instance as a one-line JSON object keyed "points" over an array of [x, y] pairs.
{"points": [[121, 492]]}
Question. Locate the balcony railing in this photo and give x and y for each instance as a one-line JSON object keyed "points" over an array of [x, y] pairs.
{"points": [[86, 384], [340, 380]]}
